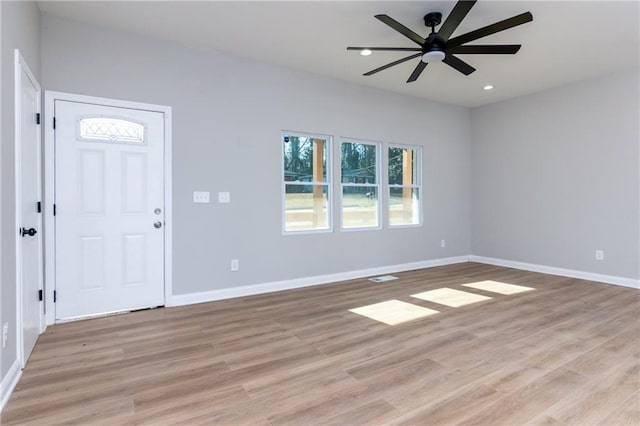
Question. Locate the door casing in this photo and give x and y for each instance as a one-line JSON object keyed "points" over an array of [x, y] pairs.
{"points": [[20, 68], [49, 172]]}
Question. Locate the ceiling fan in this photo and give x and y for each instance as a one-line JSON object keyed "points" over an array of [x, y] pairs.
{"points": [[438, 46]]}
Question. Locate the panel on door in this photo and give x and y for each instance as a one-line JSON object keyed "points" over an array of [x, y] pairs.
{"points": [[30, 218], [109, 209]]}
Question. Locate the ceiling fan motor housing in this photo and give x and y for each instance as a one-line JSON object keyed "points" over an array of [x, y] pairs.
{"points": [[433, 49]]}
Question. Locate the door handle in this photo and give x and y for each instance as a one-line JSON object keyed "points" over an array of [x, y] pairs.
{"points": [[157, 224], [30, 232]]}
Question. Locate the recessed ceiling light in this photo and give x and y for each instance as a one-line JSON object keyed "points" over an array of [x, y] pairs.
{"points": [[365, 52], [488, 87]]}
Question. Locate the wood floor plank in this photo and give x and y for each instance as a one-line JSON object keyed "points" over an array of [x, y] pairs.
{"points": [[452, 409], [378, 412], [627, 413], [567, 353], [593, 402], [524, 404]]}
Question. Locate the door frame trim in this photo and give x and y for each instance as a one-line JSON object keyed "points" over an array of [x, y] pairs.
{"points": [[49, 172], [20, 66]]}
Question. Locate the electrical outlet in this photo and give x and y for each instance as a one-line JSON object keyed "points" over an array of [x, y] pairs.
{"points": [[5, 334], [224, 197], [235, 265], [443, 243], [599, 254]]}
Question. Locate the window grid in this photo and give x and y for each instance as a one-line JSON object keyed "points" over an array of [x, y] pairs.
{"points": [[360, 209], [306, 183], [404, 199], [308, 189]]}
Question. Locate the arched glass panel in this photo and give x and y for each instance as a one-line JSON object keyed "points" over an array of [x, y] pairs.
{"points": [[111, 129]]}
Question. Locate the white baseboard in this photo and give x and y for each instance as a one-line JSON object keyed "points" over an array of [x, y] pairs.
{"points": [[608, 279], [9, 383], [228, 293]]}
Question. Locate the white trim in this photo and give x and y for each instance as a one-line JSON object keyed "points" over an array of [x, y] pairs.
{"points": [[168, 203], [589, 276], [9, 383], [229, 293], [47, 207], [49, 166], [20, 67]]}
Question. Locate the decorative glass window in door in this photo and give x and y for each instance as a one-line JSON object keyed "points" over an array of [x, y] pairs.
{"points": [[111, 130]]}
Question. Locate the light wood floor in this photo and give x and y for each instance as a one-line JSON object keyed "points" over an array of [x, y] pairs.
{"points": [[566, 353]]}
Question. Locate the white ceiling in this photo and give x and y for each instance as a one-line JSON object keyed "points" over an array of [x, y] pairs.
{"points": [[567, 40]]}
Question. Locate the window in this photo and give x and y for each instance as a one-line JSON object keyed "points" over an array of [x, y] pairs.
{"points": [[111, 129], [405, 181], [306, 183], [360, 185]]}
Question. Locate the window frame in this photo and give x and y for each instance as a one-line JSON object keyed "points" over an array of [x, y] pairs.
{"points": [[418, 186], [328, 183], [379, 185]]}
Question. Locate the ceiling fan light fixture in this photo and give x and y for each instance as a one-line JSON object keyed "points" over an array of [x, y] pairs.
{"points": [[439, 46], [433, 56], [365, 52]]}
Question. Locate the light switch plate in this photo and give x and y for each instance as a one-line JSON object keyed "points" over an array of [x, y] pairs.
{"points": [[201, 197], [224, 197]]}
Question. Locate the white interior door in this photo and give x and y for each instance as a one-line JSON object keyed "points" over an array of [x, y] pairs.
{"points": [[28, 197], [109, 209]]}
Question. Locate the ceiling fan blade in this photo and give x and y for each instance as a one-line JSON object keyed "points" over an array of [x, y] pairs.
{"points": [[458, 64], [400, 28], [456, 16], [399, 61], [491, 29], [417, 71], [498, 49], [390, 49]]}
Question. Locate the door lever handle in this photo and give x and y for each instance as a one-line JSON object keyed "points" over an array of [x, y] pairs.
{"points": [[30, 232]]}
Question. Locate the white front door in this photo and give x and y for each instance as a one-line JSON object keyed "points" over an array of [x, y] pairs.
{"points": [[29, 196], [109, 183]]}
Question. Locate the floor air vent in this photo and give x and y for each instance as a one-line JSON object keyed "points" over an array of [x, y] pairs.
{"points": [[383, 278]]}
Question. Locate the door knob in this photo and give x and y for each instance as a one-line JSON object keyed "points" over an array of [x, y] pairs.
{"points": [[30, 232], [157, 224]]}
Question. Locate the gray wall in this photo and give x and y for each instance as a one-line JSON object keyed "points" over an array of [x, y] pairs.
{"points": [[555, 176], [551, 177], [227, 117], [21, 30]]}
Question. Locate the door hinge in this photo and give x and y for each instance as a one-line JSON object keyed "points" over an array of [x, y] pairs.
{"points": [[54, 122], [55, 296], [54, 209], [37, 118], [39, 207], [40, 296]]}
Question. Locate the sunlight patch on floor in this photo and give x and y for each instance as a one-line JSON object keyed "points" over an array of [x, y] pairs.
{"points": [[450, 297], [393, 312], [498, 287]]}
